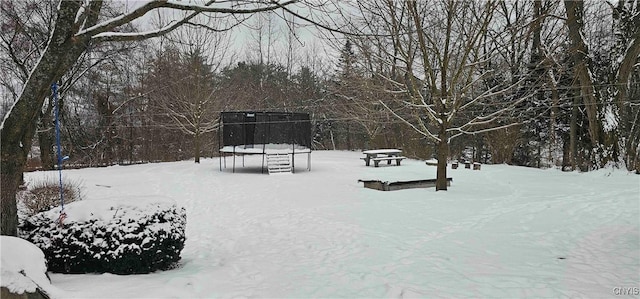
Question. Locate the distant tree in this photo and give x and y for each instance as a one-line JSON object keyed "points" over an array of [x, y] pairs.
{"points": [[262, 42], [183, 89], [183, 85], [254, 86], [355, 96]]}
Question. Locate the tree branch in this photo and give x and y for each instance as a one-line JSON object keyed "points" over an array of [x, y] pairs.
{"points": [[100, 31]]}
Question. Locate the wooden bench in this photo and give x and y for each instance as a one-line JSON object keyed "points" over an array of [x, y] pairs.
{"points": [[377, 160]]}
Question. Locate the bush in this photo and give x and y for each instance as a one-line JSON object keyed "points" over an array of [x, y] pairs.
{"points": [[138, 235], [44, 195]]}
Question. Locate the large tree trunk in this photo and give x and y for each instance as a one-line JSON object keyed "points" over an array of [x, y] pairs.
{"points": [[580, 56], [19, 126], [443, 155]]}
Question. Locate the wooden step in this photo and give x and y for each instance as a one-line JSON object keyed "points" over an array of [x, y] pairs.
{"points": [[279, 163]]}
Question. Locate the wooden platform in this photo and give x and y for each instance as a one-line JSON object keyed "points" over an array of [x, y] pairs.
{"points": [[399, 185]]}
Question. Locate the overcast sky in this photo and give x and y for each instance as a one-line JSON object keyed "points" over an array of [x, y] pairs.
{"points": [[243, 38]]}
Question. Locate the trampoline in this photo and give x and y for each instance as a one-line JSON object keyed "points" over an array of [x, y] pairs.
{"points": [[264, 133]]}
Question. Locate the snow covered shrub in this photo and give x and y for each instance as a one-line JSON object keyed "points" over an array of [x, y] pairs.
{"points": [[125, 236], [44, 195]]}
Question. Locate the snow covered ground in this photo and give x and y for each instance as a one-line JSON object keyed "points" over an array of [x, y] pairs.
{"points": [[500, 232]]}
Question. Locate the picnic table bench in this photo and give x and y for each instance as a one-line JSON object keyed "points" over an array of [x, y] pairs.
{"points": [[382, 155]]}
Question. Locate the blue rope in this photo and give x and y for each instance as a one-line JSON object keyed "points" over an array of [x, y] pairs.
{"points": [[54, 89]]}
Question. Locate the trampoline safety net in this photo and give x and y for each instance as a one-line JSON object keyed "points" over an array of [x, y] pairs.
{"points": [[249, 128]]}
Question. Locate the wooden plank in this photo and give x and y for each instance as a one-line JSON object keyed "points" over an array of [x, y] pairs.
{"points": [[382, 151]]}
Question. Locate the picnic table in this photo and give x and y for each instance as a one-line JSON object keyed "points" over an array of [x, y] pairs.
{"points": [[378, 155]]}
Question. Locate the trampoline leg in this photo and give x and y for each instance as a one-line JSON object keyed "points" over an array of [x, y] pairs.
{"points": [[242, 160], [234, 164]]}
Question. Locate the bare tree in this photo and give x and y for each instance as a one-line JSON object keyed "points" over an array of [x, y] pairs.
{"points": [[79, 25], [291, 46], [264, 34], [434, 53]]}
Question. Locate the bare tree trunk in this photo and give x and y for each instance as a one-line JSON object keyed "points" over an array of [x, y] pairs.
{"points": [[349, 136], [580, 52], [538, 70], [632, 145], [131, 141], [573, 135], [333, 141], [443, 155], [196, 146], [565, 155], [552, 123], [11, 176]]}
